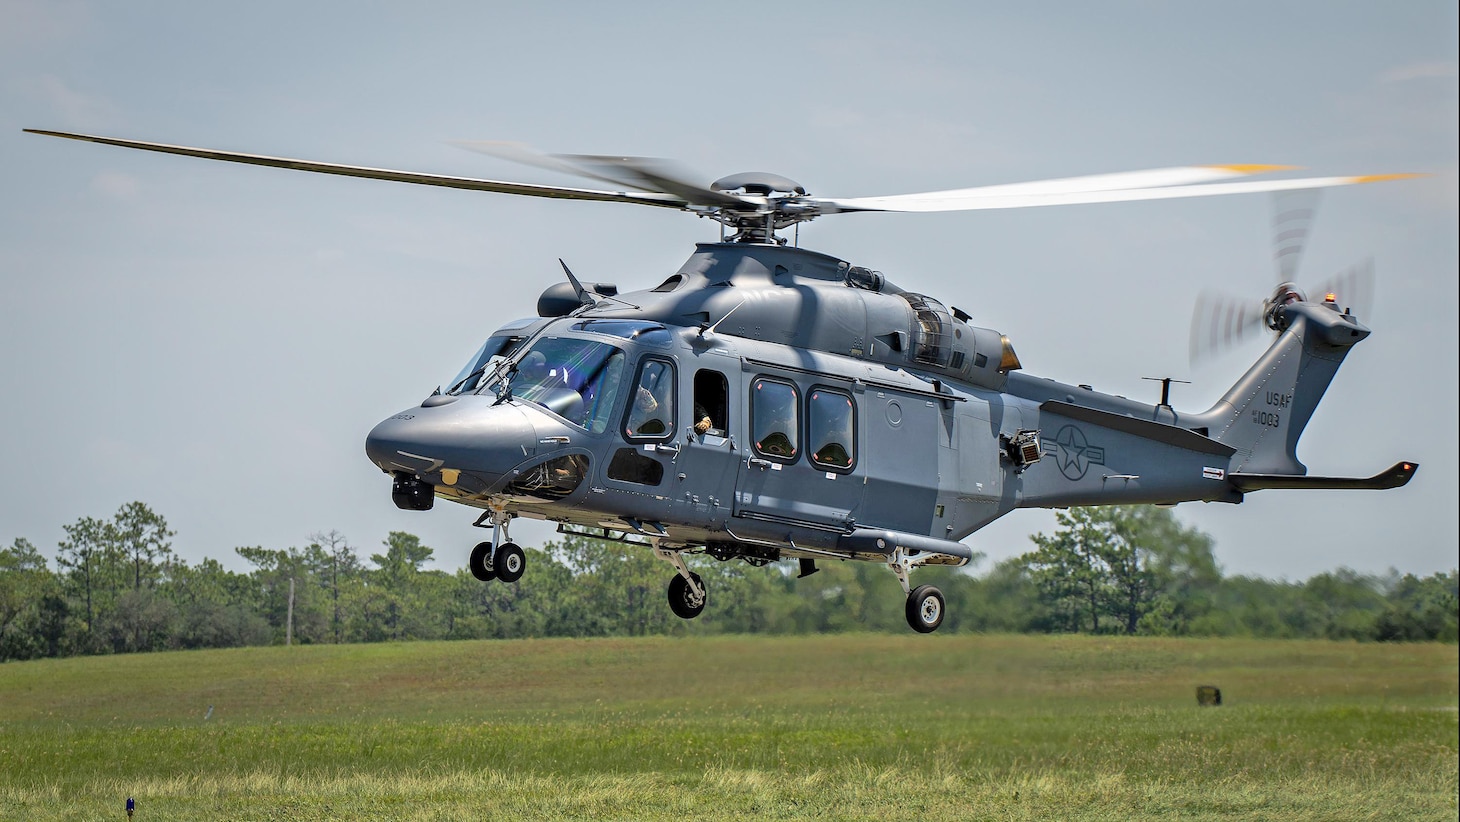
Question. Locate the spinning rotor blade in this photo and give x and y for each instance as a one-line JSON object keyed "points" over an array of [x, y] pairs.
{"points": [[653, 198], [766, 207], [976, 199], [1220, 322], [529, 156], [1352, 288], [1293, 213], [643, 173]]}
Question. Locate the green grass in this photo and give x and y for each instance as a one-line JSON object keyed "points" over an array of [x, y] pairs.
{"points": [[870, 726]]}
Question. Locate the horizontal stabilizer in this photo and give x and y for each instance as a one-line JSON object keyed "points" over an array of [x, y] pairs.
{"points": [[1395, 477], [1149, 429]]}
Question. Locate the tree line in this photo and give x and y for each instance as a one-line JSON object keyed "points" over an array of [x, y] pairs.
{"points": [[117, 586]]}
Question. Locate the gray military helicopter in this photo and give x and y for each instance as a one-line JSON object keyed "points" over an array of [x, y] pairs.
{"points": [[766, 402]]}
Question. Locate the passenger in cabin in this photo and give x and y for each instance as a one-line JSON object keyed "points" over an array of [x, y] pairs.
{"points": [[775, 420], [829, 429], [702, 420]]}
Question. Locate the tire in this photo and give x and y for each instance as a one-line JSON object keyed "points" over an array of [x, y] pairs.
{"points": [[680, 596], [509, 562], [925, 609], [478, 562]]}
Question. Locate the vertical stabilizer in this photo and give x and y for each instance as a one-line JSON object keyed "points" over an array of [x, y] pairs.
{"points": [[1264, 413]]}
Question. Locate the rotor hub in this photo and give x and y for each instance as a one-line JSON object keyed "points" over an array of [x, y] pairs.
{"points": [[758, 182], [777, 203]]}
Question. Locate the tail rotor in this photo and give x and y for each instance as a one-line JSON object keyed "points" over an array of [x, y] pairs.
{"points": [[1221, 322]]}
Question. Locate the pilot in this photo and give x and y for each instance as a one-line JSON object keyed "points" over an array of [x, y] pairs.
{"points": [[533, 368], [643, 422]]}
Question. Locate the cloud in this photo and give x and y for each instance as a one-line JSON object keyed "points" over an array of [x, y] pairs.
{"points": [[1438, 69]]}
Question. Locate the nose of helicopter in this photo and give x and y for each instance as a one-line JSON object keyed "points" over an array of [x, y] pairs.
{"points": [[439, 443]]}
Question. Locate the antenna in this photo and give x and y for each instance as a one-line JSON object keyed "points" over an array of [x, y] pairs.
{"points": [[577, 286], [1166, 388], [709, 329]]}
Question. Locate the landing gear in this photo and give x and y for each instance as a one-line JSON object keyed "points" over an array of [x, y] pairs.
{"points": [[686, 589], [500, 558], [481, 562], [683, 600], [925, 609], [509, 562]]}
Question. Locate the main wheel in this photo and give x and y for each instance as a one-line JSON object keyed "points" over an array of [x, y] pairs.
{"points": [[682, 597], [509, 562], [925, 609], [480, 556]]}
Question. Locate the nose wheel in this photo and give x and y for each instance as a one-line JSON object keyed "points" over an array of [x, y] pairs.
{"points": [[481, 562], [506, 562], [509, 562], [499, 559]]}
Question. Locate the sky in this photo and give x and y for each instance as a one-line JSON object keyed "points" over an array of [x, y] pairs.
{"points": [[216, 340]]}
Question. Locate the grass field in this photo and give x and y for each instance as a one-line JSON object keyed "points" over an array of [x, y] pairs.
{"points": [[863, 726]]}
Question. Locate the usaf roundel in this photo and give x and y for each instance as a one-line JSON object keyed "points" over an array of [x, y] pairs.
{"points": [[1073, 452]]}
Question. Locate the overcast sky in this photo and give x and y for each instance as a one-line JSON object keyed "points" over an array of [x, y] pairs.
{"points": [[216, 340]]}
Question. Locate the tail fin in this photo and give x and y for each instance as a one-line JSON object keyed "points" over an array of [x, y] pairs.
{"points": [[1264, 413]]}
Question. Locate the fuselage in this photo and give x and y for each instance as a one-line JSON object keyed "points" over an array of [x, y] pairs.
{"points": [[765, 396]]}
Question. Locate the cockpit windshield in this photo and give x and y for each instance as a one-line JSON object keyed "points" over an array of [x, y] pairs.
{"points": [[575, 379], [478, 371]]}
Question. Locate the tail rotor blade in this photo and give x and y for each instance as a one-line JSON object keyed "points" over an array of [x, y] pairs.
{"points": [[1292, 221], [1352, 288], [1221, 322]]}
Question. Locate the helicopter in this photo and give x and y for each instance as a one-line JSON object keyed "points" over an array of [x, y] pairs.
{"points": [[766, 402]]}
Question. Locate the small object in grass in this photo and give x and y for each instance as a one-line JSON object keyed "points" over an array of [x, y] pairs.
{"points": [[209, 715], [1208, 695], [131, 807]]}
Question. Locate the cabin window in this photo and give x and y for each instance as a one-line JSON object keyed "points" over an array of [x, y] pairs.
{"points": [[651, 406], [775, 420], [831, 430], [712, 401]]}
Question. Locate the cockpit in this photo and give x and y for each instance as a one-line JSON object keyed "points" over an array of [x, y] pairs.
{"points": [[576, 378]]}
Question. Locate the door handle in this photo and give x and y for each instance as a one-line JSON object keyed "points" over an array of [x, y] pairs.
{"points": [[757, 462]]}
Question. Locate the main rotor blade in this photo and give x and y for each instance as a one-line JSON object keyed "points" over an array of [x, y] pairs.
{"points": [[1118, 181], [469, 183], [529, 156], [659, 175], [965, 201], [643, 173]]}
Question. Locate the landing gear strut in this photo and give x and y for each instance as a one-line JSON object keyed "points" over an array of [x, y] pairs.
{"points": [[500, 558], [925, 606]]}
